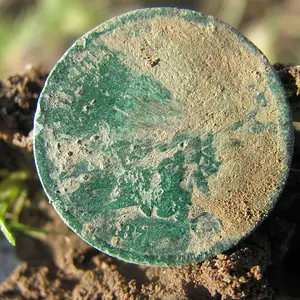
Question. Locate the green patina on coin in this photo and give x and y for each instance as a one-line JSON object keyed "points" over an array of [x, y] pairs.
{"points": [[163, 137]]}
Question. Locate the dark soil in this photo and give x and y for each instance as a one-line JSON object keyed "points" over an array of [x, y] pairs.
{"points": [[266, 265]]}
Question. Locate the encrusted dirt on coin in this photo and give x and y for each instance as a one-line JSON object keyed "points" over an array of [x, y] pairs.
{"points": [[211, 92], [61, 266]]}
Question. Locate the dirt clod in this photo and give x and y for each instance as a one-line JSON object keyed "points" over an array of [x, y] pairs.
{"points": [[18, 98]]}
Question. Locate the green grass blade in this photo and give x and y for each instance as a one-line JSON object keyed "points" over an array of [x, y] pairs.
{"points": [[3, 209], [28, 229], [9, 190], [6, 232], [19, 175], [18, 204]]}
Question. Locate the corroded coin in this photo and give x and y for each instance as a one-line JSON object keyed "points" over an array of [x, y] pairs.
{"points": [[163, 137]]}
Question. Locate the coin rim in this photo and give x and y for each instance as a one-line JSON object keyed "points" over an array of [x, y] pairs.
{"points": [[285, 132]]}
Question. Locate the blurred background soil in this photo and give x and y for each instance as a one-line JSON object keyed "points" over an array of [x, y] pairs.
{"points": [[59, 265], [35, 31]]}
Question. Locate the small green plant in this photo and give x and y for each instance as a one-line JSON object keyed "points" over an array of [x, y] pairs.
{"points": [[13, 194]]}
